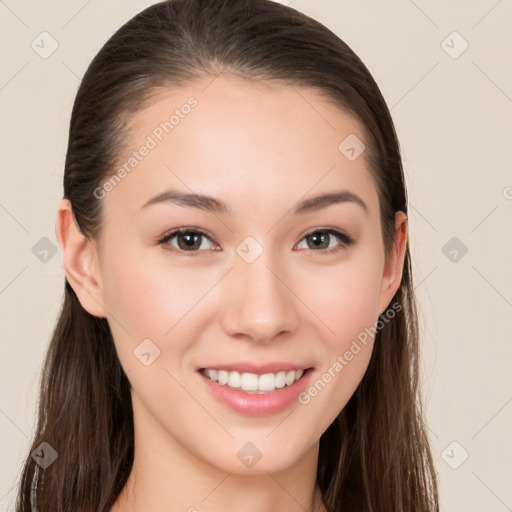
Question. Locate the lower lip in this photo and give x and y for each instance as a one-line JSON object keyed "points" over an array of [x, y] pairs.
{"points": [[257, 404]]}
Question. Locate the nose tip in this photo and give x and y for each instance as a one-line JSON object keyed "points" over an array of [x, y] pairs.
{"points": [[260, 306]]}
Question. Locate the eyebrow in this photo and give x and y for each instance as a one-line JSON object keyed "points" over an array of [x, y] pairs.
{"points": [[211, 204]]}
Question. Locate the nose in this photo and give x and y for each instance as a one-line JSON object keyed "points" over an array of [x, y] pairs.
{"points": [[260, 304]]}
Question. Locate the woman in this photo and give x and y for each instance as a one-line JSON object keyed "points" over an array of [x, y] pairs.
{"points": [[238, 329]]}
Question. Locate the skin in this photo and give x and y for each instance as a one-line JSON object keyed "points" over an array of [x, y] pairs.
{"points": [[245, 143]]}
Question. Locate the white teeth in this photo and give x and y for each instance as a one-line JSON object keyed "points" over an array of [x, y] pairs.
{"points": [[290, 378], [267, 382], [252, 382], [248, 381], [234, 380], [280, 379]]}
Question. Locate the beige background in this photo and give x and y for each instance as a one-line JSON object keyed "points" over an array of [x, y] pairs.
{"points": [[453, 118]]}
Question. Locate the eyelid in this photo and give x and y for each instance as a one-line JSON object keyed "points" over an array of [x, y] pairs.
{"points": [[177, 231], [340, 233], [346, 240], [343, 236]]}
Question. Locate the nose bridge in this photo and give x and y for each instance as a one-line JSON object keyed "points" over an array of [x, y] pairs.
{"points": [[260, 305]]}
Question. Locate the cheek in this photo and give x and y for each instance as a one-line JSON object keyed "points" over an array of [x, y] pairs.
{"points": [[345, 298], [148, 313], [148, 299], [150, 302], [347, 303], [333, 386]]}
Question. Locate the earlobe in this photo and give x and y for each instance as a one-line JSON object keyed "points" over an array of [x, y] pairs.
{"points": [[393, 268], [80, 261]]}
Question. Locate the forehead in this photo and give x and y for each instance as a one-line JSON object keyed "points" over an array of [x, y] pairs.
{"points": [[242, 140]]}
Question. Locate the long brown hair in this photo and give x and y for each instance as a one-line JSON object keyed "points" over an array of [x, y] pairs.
{"points": [[375, 456]]}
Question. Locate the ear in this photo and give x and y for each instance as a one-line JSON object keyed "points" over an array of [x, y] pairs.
{"points": [[393, 267], [80, 260]]}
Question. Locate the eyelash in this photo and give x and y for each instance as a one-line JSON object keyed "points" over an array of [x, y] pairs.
{"points": [[346, 240]]}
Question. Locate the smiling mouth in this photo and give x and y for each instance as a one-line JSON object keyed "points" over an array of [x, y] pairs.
{"points": [[254, 383]]}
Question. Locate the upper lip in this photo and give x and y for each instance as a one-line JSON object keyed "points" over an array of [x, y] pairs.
{"points": [[260, 369]]}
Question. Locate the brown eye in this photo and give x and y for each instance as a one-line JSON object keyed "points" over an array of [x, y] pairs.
{"points": [[319, 240], [188, 240]]}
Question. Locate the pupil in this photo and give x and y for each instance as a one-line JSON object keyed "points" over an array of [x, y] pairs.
{"points": [[190, 239], [317, 236]]}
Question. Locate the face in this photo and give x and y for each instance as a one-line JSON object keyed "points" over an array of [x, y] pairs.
{"points": [[262, 281]]}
